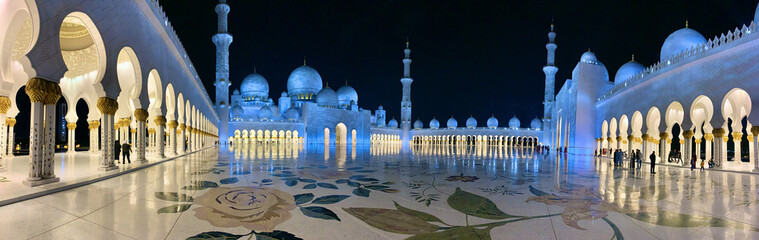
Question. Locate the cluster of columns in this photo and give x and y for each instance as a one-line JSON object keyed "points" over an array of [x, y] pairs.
{"points": [[715, 145], [486, 139], [43, 95]]}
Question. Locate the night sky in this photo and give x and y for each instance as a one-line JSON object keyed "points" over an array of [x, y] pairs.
{"points": [[469, 57]]}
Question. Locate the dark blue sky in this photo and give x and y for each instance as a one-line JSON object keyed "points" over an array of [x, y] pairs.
{"points": [[470, 57]]}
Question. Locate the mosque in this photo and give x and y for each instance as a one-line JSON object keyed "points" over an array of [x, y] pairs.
{"points": [[312, 112]]}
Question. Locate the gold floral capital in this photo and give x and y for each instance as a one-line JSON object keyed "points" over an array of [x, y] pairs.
{"points": [[133, 131], [10, 122], [688, 134], [5, 104], [173, 124], [755, 130], [107, 105], [697, 140], [71, 126], [43, 91], [737, 136], [182, 126], [159, 120], [141, 114], [708, 137], [718, 132]]}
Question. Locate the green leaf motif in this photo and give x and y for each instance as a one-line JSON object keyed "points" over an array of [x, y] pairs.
{"points": [[291, 182], [215, 236], [229, 180], [353, 184], [306, 180], [330, 199], [310, 186], [421, 215], [173, 196], [391, 220], [241, 173], [327, 185], [303, 198], [319, 212], [468, 233], [361, 192], [377, 187], [174, 208], [200, 185], [478, 206], [276, 235]]}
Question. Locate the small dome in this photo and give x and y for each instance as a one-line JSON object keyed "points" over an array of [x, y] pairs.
{"points": [[514, 122], [536, 124], [327, 97], [304, 79], [284, 94], [434, 123], [492, 122], [346, 94], [292, 114], [418, 124], [265, 113], [254, 85], [380, 107], [452, 123], [756, 15], [380, 122], [471, 122], [589, 57], [679, 41], [237, 111], [236, 92], [393, 123], [628, 70]]}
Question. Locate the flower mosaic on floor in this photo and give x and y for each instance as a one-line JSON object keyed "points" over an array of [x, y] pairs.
{"points": [[256, 198]]}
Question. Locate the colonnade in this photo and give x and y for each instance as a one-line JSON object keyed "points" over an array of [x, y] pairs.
{"points": [[694, 134], [245, 136], [496, 140]]}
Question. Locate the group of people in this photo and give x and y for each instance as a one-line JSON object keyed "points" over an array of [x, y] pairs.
{"points": [[122, 149], [635, 157]]}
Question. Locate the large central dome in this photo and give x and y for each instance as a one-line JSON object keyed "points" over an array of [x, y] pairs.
{"points": [[304, 79], [679, 41], [254, 85]]}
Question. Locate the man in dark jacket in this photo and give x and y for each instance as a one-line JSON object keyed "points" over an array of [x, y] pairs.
{"points": [[127, 150], [653, 161]]}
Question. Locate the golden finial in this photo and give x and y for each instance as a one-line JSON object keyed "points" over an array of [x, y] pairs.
{"points": [[327, 84], [304, 60], [551, 24], [686, 23], [254, 68], [406, 42], [633, 58], [346, 82]]}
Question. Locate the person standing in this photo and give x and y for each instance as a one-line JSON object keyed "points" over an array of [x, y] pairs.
{"points": [[639, 158], [117, 151], [693, 163], [653, 162], [633, 156], [127, 150], [702, 164]]}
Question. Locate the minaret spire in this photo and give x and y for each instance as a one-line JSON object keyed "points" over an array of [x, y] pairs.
{"points": [[222, 39], [406, 97], [549, 70]]}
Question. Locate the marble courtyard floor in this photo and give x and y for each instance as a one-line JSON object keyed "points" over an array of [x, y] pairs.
{"points": [[286, 191]]}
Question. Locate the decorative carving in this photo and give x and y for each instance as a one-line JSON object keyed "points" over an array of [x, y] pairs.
{"points": [[71, 126], [182, 126], [141, 114], [688, 134], [755, 130], [718, 132], [42, 91]]}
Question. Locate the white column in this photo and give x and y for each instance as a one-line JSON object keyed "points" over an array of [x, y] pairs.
{"points": [[11, 136], [172, 137], [49, 125], [70, 144], [107, 108], [180, 139], [141, 115], [36, 142], [160, 121]]}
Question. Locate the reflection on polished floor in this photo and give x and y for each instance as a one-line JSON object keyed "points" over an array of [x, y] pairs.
{"points": [[386, 191]]}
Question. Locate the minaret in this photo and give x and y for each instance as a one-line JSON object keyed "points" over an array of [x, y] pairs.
{"points": [[550, 70], [222, 39], [406, 99]]}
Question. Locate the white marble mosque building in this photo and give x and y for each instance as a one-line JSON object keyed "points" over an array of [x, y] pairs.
{"points": [[698, 96]]}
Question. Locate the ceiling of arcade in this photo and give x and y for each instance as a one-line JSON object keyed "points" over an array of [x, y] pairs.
{"points": [[77, 47]]}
